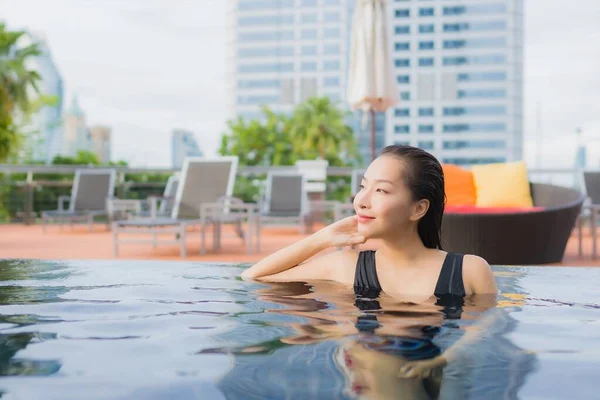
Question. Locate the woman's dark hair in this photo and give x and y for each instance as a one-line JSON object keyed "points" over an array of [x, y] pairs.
{"points": [[425, 179]]}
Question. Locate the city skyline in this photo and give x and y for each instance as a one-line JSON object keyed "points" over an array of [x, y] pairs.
{"points": [[143, 94]]}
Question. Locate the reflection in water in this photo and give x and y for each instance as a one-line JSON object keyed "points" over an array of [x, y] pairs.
{"points": [[319, 341], [12, 366], [10, 294]]}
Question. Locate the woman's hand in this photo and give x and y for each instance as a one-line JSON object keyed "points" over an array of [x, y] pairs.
{"points": [[422, 368], [343, 233]]}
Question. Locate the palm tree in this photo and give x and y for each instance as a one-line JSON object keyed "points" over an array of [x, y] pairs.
{"points": [[17, 83], [319, 125]]}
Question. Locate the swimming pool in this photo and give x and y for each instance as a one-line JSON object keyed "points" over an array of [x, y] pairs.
{"points": [[158, 330]]}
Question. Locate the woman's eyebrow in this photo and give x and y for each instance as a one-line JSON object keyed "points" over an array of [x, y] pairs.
{"points": [[378, 180]]}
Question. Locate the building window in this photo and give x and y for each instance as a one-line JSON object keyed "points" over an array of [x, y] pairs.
{"points": [[404, 95], [475, 26], [308, 66], [481, 93], [261, 68], [475, 144], [308, 34], [403, 78], [308, 50], [475, 110], [426, 112], [475, 60], [331, 17], [265, 36], [426, 28], [244, 5], [331, 65], [254, 84], [426, 45], [266, 20], [426, 144], [402, 62], [402, 112], [481, 76], [426, 129], [309, 18], [265, 52], [426, 12], [404, 13], [402, 129], [331, 81], [476, 43], [331, 49], [488, 8], [402, 46], [243, 100], [402, 29], [425, 62], [474, 161], [331, 33], [493, 127]]}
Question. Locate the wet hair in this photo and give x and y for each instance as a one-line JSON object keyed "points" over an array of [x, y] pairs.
{"points": [[425, 179]]}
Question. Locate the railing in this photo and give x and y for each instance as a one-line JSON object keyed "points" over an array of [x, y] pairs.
{"points": [[27, 190]]}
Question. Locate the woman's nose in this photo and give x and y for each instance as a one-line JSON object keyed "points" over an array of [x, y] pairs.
{"points": [[361, 200]]}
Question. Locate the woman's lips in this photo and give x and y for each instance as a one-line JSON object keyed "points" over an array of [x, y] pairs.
{"points": [[364, 219]]}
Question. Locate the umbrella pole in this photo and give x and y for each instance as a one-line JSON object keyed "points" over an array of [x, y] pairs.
{"points": [[372, 111]]}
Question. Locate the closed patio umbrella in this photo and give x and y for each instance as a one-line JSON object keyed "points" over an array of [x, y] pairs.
{"points": [[371, 79]]}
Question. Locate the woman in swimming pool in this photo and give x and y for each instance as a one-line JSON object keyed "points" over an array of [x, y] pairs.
{"points": [[400, 203]]}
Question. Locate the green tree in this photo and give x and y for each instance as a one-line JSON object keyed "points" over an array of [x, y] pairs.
{"points": [[259, 142], [17, 83], [82, 157], [318, 129]]}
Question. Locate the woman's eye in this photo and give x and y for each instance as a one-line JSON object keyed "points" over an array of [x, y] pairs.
{"points": [[361, 186], [382, 191]]}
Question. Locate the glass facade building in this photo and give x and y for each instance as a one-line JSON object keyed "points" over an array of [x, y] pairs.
{"points": [[459, 66], [459, 70]]}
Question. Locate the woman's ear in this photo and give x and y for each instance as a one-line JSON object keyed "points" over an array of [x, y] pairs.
{"points": [[419, 210]]}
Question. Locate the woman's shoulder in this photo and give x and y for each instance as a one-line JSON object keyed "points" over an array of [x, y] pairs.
{"points": [[342, 265], [477, 274]]}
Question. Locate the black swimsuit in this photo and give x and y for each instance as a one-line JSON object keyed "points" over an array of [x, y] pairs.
{"points": [[450, 281], [449, 291]]}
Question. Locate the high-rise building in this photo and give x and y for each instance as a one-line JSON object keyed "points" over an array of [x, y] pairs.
{"points": [[45, 126], [459, 67], [101, 143], [183, 144], [459, 70], [281, 52], [76, 135]]}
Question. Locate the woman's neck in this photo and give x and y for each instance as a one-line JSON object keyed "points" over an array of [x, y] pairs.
{"points": [[404, 249]]}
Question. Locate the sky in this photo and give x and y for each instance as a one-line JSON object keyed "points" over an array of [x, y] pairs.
{"points": [[146, 67]]}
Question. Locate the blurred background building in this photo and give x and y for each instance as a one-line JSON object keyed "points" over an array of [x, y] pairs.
{"points": [[183, 144], [459, 70], [45, 126]]}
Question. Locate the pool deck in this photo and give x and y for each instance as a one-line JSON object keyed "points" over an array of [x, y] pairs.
{"points": [[29, 242]]}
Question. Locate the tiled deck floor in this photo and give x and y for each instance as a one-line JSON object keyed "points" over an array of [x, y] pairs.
{"points": [[29, 242]]}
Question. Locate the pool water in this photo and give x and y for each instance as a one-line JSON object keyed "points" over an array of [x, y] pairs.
{"points": [[161, 330]]}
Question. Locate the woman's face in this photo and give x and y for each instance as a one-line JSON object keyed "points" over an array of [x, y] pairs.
{"points": [[384, 203]]}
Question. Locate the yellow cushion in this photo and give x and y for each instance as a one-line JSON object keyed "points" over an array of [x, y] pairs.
{"points": [[502, 185], [459, 186]]}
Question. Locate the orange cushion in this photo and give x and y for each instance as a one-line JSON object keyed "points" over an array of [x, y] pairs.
{"points": [[459, 186], [488, 210]]}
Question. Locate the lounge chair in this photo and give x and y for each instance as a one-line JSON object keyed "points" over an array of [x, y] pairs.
{"points": [[152, 207], [203, 180], [591, 209], [92, 188], [286, 202]]}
